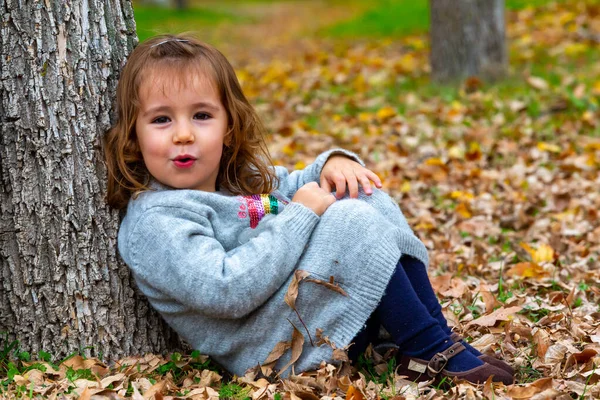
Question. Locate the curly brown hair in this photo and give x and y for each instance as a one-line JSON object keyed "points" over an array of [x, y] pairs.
{"points": [[246, 166]]}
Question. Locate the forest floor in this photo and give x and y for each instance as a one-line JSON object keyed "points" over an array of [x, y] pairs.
{"points": [[500, 181]]}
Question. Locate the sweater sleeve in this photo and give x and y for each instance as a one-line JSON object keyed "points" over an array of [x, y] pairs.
{"points": [[175, 251], [289, 183]]}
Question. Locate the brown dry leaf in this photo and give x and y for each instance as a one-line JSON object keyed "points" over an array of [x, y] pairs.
{"points": [[329, 285], [584, 356], [489, 299], [156, 390], [297, 345], [526, 392], [110, 380], [278, 351], [488, 388], [292, 292], [86, 394], [457, 289], [542, 341], [441, 283], [555, 354], [537, 83], [340, 355], [501, 314]]}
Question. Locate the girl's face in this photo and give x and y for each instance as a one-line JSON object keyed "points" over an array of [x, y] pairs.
{"points": [[180, 130]]}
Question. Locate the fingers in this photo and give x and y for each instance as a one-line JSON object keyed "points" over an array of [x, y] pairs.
{"points": [[352, 181], [339, 180], [325, 185], [373, 177], [344, 174], [366, 185]]}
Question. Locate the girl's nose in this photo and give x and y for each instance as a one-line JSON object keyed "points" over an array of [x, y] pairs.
{"points": [[183, 134]]}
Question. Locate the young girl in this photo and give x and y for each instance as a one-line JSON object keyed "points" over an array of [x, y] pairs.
{"points": [[213, 233]]}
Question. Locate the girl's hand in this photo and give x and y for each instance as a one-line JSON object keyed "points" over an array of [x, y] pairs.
{"points": [[340, 171], [313, 197]]}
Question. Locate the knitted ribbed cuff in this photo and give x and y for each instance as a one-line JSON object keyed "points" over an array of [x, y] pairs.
{"points": [[302, 219]]}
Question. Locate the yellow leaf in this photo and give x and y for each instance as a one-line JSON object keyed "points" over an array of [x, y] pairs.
{"points": [[300, 165], [424, 226], [566, 17], [543, 146], [360, 85], [527, 270], [416, 42], [290, 84], [407, 63], [543, 253], [594, 146], [457, 105], [364, 117], [288, 150], [405, 188], [386, 113], [596, 88], [457, 194], [575, 49], [474, 152], [434, 161], [463, 210], [588, 116], [456, 152], [354, 394]]}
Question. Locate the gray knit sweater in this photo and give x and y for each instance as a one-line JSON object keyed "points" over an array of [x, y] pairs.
{"points": [[217, 266]]}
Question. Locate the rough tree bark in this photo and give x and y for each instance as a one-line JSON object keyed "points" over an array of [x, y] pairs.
{"points": [[63, 287], [467, 39]]}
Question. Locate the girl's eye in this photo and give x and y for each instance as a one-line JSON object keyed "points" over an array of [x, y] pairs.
{"points": [[160, 120], [202, 116]]}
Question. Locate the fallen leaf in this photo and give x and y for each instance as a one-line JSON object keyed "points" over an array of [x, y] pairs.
{"points": [[354, 394], [328, 285], [527, 270], [542, 341], [543, 253], [292, 292], [537, 83], [297, 345], [502, 314], [278, 351]]}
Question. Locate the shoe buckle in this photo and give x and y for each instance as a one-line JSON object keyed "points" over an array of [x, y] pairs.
{"points": [[440, 360]]}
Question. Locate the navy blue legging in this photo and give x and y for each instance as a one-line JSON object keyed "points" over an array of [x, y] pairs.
{"points": [[409, 310]]}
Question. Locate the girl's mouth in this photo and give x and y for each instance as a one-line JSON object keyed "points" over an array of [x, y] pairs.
{"points": [[184, 161]]}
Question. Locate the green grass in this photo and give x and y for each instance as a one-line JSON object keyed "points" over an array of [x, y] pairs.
{"points": [[152, 21], [396, 18], [386, 18]]}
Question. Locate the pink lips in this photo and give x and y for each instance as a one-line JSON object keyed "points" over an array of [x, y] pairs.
{"points": [[184, 161]]}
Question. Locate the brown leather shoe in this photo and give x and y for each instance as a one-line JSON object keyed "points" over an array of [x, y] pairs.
{"points": [[456, 338], [433, 372]]}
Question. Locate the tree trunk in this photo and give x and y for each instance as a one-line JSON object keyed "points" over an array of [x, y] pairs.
{"points": [[181, 4], [467, 39], [63, 287]]}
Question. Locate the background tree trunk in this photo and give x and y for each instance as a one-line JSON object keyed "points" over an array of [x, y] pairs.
{"points": [[467, 39], [63, 287]]}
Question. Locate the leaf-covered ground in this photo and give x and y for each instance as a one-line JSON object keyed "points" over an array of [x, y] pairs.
{"points": [[500, 182]]}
